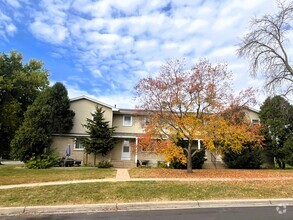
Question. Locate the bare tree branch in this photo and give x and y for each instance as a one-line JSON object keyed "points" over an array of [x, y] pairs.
{"points": [[265, 48]]}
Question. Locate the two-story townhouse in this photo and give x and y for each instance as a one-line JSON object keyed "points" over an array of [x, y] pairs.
{"points": [[129, 125]]}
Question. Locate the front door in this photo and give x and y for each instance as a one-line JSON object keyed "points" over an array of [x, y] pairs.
{"points": [[125, 150]]}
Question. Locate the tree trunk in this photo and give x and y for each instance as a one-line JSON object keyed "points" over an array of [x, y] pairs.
{"points": [[283, 165], [95, 157], [279, 163], [87, 158], [189, 161]]}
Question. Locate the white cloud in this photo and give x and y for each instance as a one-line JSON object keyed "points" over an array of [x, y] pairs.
{"points": [[224, 52], [120, 100], [116, 42], [7, 28], [13, 3], [55, 34]]}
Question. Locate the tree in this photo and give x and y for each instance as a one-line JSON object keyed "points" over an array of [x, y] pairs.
{"points": [[265, 46], [48, 114], [276, 115], [19, 86], [100, 140], [62, 116], [181, 101], [288, 149], [231, 134], [248, 158]]}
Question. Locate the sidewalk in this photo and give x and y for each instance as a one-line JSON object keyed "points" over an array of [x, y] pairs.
{"points": [[123, 175], [114, 207]]}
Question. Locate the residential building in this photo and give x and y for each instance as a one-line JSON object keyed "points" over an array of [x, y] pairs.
{"points": [[129, 125]]}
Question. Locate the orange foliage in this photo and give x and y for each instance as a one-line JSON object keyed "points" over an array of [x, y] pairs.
{"points": [[171, 151], [151, 142], [223, 134]]}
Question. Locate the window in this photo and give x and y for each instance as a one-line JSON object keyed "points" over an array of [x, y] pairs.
{"points": [[147, 120], [126, 150], [126, 146], [255, 121], [77, 144], [127, 120]]}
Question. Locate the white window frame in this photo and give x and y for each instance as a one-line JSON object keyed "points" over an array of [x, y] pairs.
{"points": [[127, 125], [253, 121], [126, 143], [147, 121], [77, 143]]}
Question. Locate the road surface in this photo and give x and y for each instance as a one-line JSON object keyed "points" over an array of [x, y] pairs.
{"points": [[250, 213]]}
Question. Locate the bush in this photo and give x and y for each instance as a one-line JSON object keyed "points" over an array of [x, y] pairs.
{"points": [[248, 158], [197, 161], [162, 164], [104, 164], [43, 161]]}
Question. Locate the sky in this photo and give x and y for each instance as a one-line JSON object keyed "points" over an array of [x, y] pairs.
{"points": [[102, 48]]}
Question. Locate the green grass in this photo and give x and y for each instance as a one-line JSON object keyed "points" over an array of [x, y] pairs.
{"points": [[15, 174], [106, 192]]}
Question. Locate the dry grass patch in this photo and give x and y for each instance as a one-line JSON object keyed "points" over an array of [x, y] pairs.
{"points": [[13, 174], [88, 193], [221, 173]]}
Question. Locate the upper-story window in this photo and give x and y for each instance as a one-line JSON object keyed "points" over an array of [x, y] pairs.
{"points": [[127, 120], [147, 120], [255, 121]]}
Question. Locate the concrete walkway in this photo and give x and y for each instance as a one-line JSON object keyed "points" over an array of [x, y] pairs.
{"points": [[123, 175]]}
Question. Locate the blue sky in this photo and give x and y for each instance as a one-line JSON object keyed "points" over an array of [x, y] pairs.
{"points": [[102, 48]]}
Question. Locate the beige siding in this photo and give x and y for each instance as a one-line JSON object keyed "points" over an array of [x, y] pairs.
{"points": [[152, 157], [138, 124], [251, 115], [116, 152], [83, 109], [60, 144]]}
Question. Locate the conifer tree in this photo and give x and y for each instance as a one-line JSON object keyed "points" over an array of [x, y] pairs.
{"points": [[100, 140]]}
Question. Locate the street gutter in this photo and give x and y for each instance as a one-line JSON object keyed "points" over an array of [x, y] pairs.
{"points": [[139, 206]]}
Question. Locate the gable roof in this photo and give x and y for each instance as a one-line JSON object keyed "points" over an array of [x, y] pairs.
{"points": [[252, 109], [93, 100]]}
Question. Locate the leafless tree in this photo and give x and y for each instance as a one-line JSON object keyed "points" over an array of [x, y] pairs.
{"points": [[265, 47]]}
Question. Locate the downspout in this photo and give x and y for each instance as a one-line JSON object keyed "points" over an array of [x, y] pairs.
{"points": [[135, 158], [198, 144]]}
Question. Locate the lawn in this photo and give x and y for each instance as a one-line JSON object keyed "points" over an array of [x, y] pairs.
{"points": [[221, 173], [110, 192], [16, 174]]}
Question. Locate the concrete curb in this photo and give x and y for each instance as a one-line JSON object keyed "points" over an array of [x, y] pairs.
{"points": [[114, 207]]}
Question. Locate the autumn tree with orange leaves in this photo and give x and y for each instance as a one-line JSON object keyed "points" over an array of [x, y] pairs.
{"points": [[182, 102], [154, 143]]}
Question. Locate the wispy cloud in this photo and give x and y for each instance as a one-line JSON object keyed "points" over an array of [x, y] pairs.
{"points": [[114, 43]]}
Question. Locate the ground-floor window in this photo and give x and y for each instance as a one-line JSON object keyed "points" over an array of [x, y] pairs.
{"points": [[77, 144], [126, 146]]}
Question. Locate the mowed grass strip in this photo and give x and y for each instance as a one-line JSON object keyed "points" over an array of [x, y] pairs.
{"points": [[13, 174], [89, 193], [217, 173]]}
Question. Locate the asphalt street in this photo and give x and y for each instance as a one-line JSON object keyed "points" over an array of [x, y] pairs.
{"points": [[239, 213]]}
